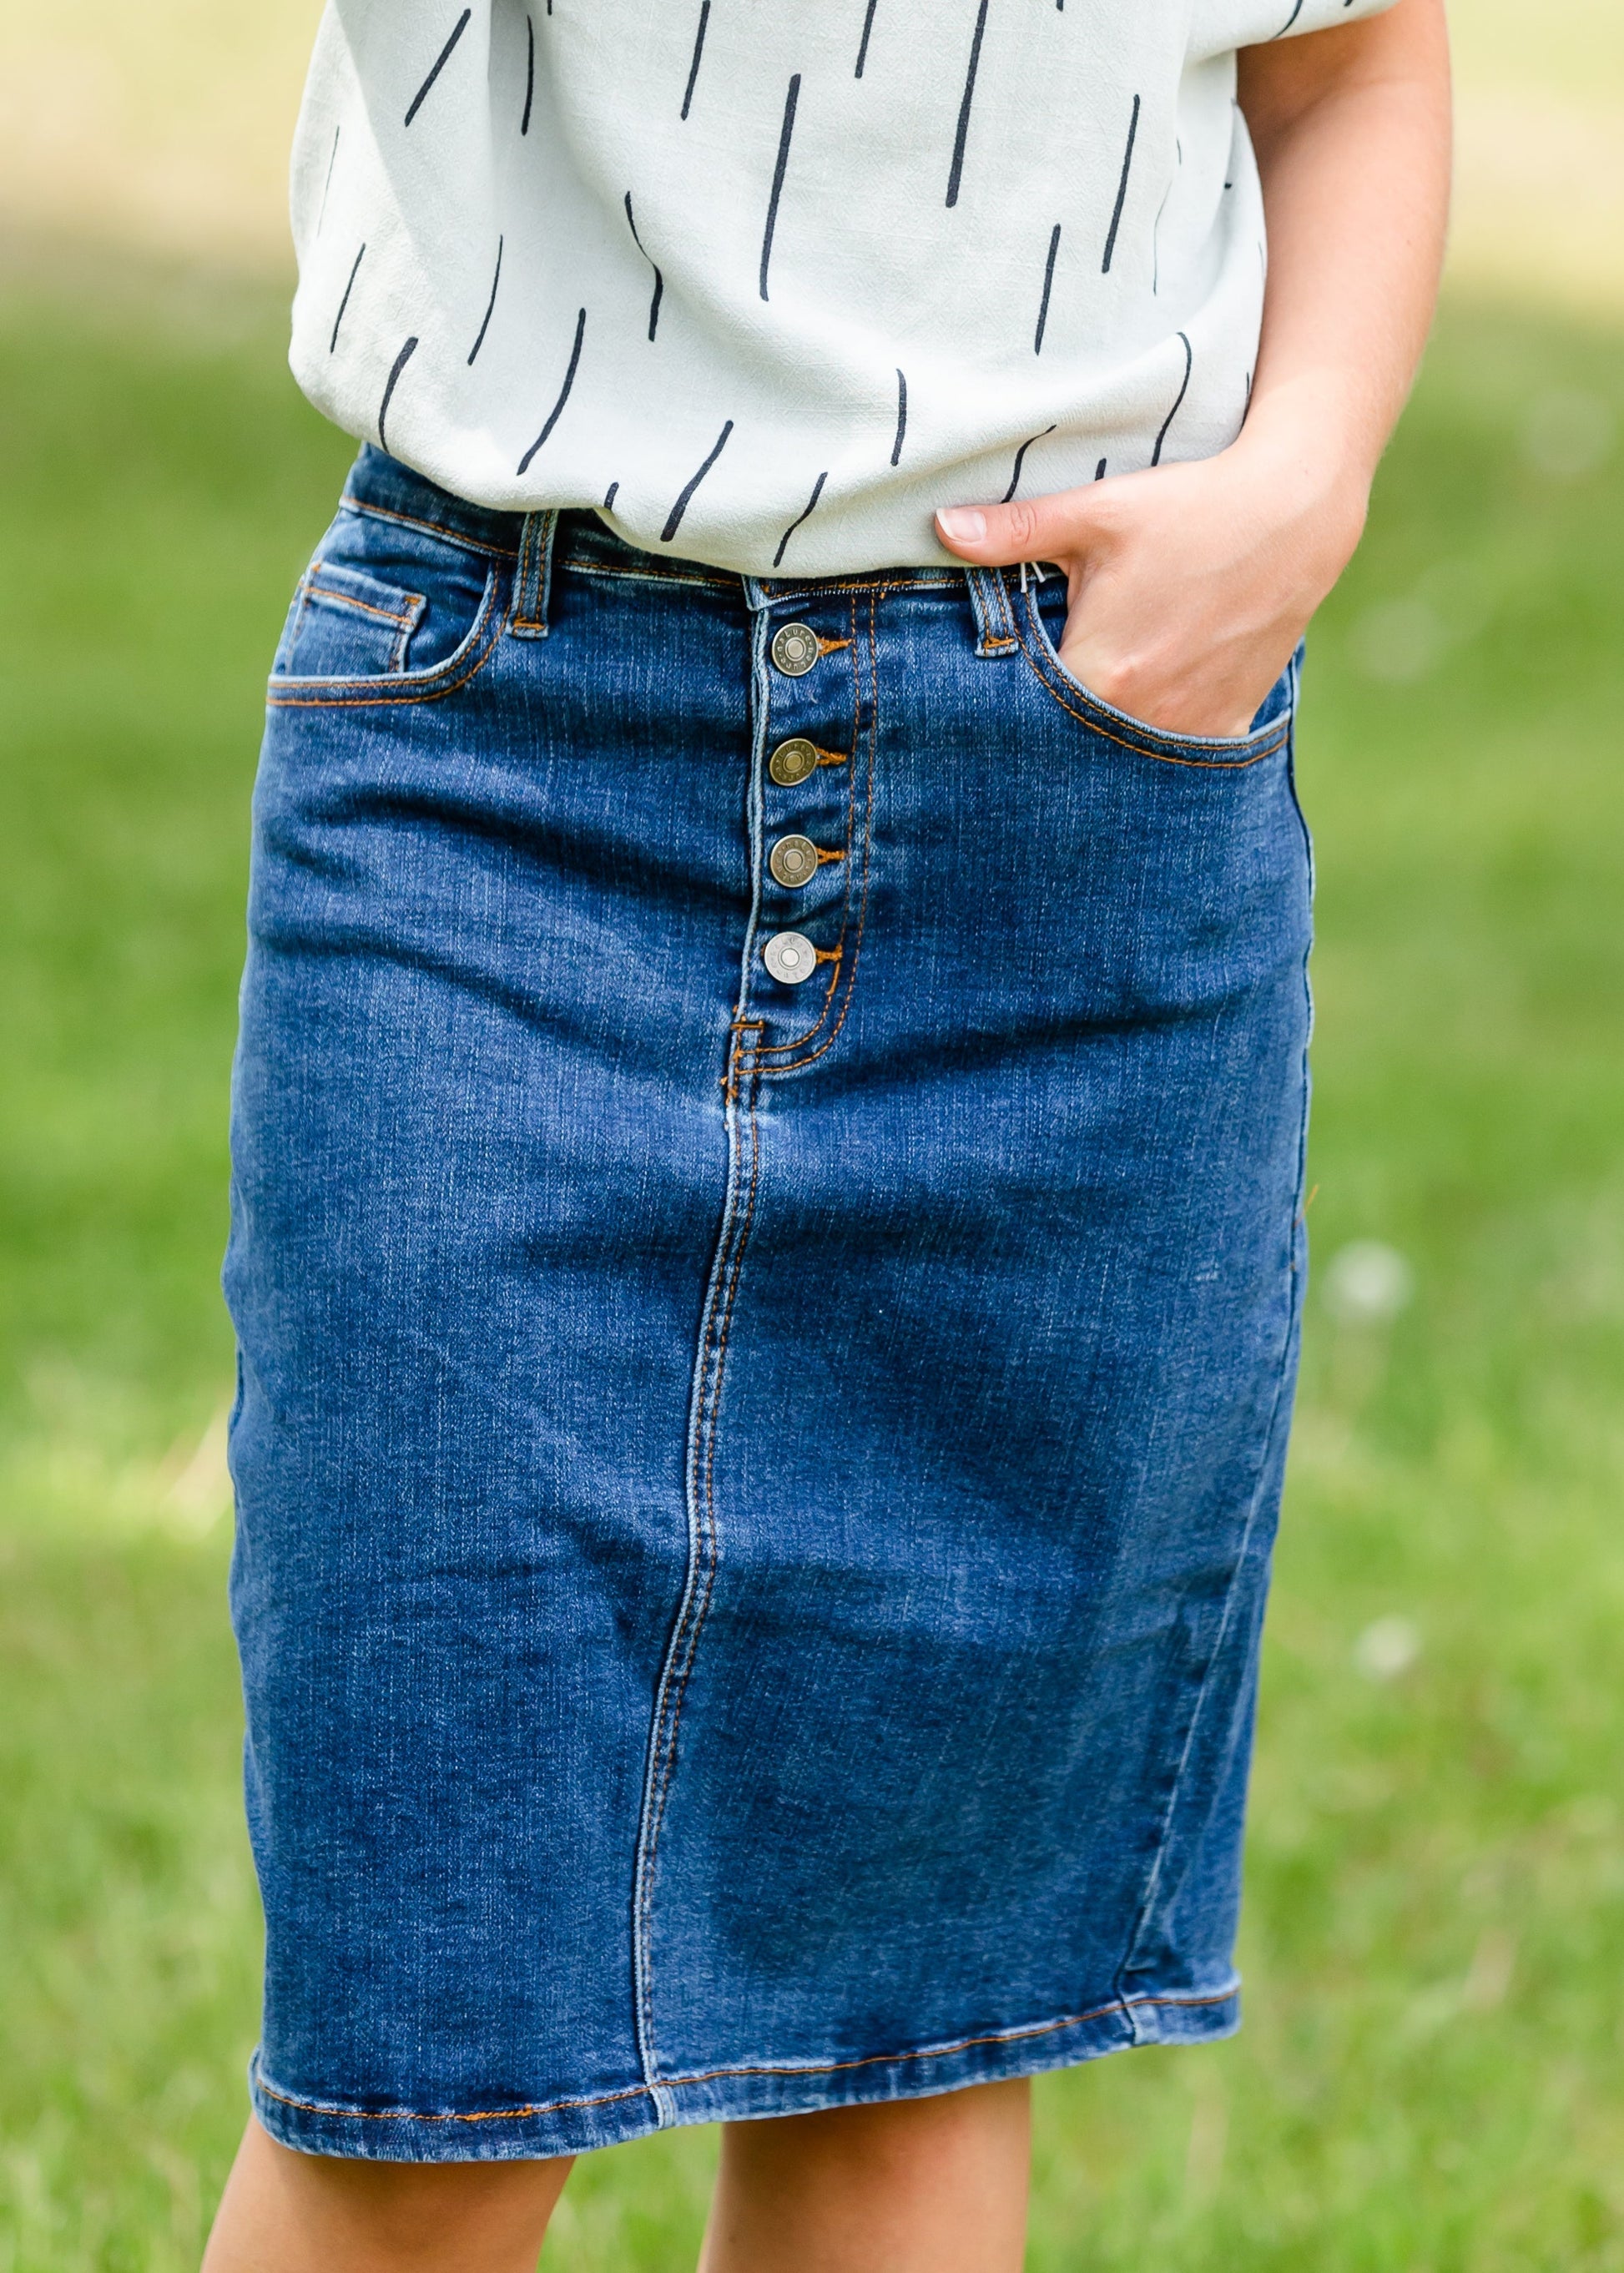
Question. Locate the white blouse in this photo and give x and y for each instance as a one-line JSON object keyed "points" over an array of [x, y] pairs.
{"points": [[767, 281]]}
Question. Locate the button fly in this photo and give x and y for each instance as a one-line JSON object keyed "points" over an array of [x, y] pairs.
{"points": [[795, 650], [793, 861], [790, 957], [791, 762]]}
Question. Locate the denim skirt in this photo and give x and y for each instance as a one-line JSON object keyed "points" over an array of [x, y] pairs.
{"points": [[766, 1259]]}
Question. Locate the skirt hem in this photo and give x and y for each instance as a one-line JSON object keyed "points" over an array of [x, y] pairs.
{"points": [[733, 2095]]}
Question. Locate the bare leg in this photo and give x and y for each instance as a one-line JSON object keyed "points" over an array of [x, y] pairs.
{"points": [[288, 2213], [918, 2185]]}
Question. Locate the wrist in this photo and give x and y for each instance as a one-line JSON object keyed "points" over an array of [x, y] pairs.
{"points": [[1305, 447]]}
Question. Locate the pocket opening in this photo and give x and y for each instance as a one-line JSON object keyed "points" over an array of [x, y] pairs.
{"points": [[384, 609], [1093, 711]]}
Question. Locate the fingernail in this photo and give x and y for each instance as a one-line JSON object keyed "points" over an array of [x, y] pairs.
{"points": [[963, 523]]}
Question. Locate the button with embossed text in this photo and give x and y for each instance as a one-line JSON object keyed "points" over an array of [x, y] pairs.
{"points": [[792, 760], [793, 861], [795, 650], [790, 957]]}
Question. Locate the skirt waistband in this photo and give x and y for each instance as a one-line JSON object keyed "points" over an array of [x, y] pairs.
{"points": [[580, 539]]}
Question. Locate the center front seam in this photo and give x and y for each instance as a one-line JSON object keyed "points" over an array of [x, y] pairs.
{"points": [[703, 1546]]}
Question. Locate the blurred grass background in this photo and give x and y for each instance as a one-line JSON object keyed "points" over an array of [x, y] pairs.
{"points": [[1432, 2075]]}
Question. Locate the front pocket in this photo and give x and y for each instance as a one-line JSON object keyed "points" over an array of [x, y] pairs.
{"points": [[391, 610], [346, 624], [1270, 731]]}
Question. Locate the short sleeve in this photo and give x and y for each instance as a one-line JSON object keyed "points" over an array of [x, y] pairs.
{"points": [[1217, 26]]}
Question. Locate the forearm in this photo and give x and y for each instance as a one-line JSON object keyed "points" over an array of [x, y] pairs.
{"points": [[1191, 584], [1351, 130]]}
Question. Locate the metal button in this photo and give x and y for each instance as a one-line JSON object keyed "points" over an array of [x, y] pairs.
{"points": [[791, 762], [795, 650], [790, 957], [793, 861]]}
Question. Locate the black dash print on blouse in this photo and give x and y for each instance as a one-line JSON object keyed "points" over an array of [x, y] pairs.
{"points": [[1048, 284], [491, 304], [1155, 455], [609, 495], [902, 419], [399, 366], [1290, 19], [779, 172], [440, 60], [1122, 190], [344, 303], [862, 52], [699, 48], [956, 173], [327, 184], [557, 411], [530, 73], [684, 501], [1099, 471], [817, 491], [659, 282], [1021, 460]]}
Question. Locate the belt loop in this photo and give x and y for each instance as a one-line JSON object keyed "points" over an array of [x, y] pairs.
{"points": [[995, 624], [534, 586]]}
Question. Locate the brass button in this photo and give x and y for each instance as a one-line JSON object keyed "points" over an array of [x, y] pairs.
{"points": [[795, 650], [791, 762], [790, 957], [793, 861]]}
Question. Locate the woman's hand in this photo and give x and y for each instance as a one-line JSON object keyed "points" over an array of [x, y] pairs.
{"points": [[1189, 585]]}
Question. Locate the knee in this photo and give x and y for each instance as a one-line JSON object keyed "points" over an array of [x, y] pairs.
{"points": [[420, 2213], [391, 2217], [417, 2207], [946, 2131]]}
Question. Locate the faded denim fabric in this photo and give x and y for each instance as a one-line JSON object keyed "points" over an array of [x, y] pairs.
{"points": [[754, 1499]]}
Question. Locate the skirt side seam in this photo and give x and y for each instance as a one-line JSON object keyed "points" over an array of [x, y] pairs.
{"points": [[1153, 1882]]}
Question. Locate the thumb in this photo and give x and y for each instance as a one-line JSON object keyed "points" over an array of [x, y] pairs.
{"points": [[1036, 529]]}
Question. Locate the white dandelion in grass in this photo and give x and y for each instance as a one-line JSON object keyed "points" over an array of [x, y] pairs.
{"points": [[1567, 433], [1367, 1283], [1388, 1648], [1399, 640]]}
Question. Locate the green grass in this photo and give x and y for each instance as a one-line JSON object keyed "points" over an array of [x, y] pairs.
{"points": [[1432, 2075]]}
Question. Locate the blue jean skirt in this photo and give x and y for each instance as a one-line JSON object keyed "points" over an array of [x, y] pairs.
{"points": [[766, 1257]]}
